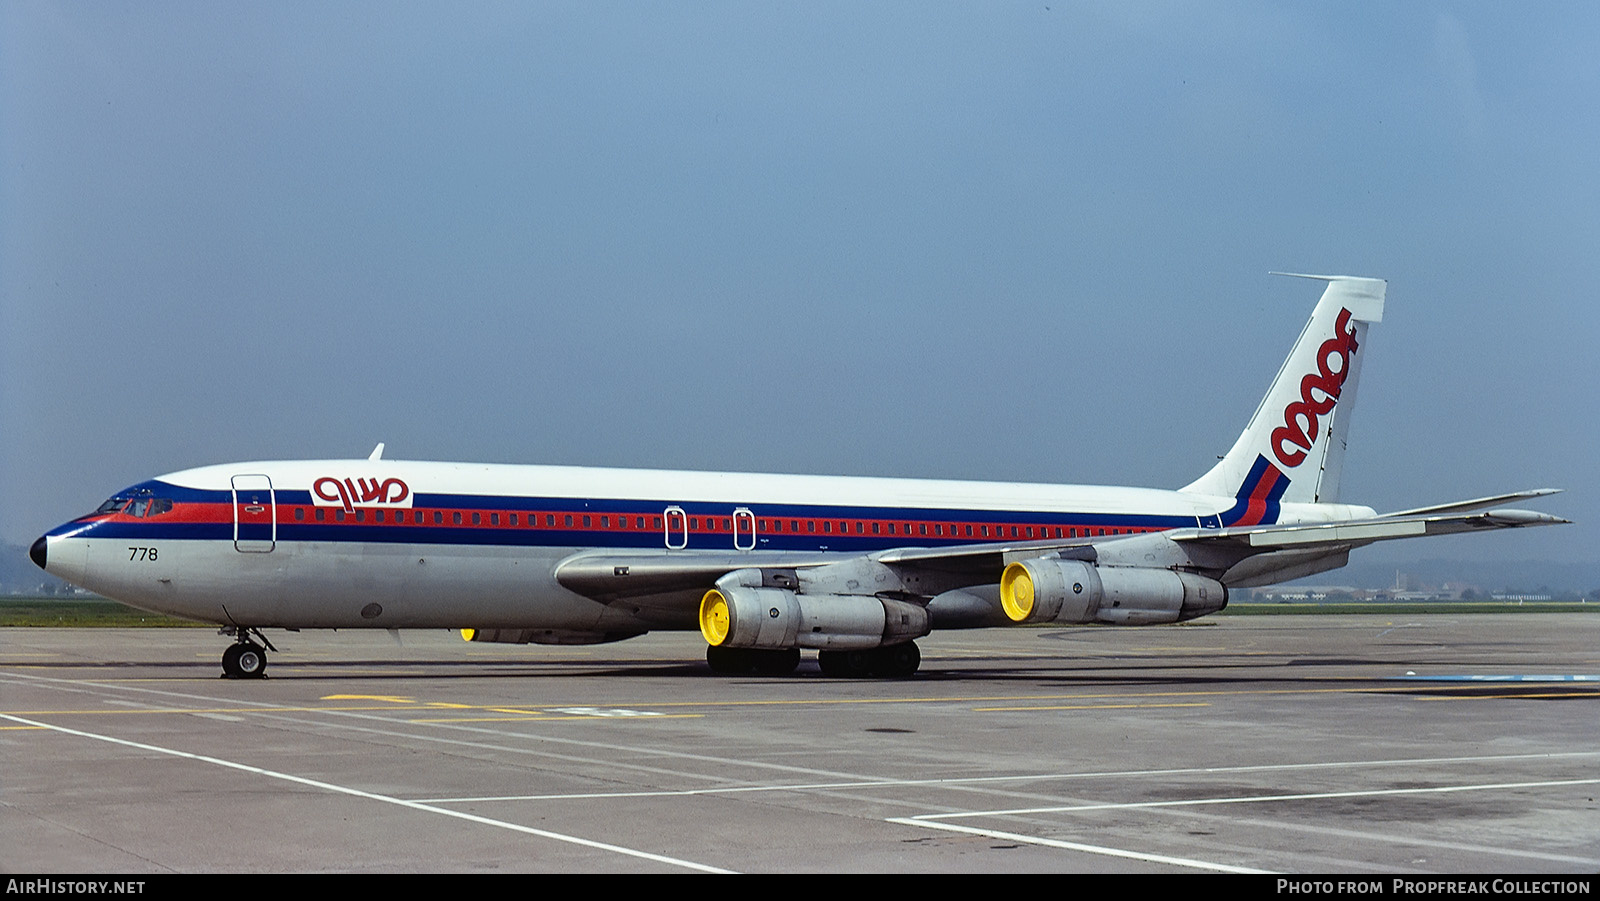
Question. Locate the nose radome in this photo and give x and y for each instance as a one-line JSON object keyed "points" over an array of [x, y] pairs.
{"points": [[38, 551]]}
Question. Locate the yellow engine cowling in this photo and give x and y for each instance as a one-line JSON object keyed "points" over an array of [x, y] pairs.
{"points": [[740, 613]]}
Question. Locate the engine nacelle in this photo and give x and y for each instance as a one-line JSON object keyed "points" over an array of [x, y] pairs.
{"points": [[545, 636], [742, 613], [1049, 590]]}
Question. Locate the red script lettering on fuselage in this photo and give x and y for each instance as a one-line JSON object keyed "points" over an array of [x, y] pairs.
{"points": [[349, 492]]}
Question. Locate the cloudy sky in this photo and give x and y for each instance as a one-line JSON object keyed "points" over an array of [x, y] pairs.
{"points": [[1020, 241]]}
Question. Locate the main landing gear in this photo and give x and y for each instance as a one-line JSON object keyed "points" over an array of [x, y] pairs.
{"points": [[245, 659], [895, 661], [761, 661]]}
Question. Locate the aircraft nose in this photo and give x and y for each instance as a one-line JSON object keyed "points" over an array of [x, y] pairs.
{"points": [[38, 551]]}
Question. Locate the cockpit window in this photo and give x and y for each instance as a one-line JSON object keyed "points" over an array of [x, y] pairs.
{"points": [[140, 506]]}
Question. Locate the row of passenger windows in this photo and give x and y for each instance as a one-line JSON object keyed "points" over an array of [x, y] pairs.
{"points": [[476, 518], [708, 524]]}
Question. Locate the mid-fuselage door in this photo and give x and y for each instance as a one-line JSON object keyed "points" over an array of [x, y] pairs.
{"points": [[677, 528], [255, 514], [744, 529]]}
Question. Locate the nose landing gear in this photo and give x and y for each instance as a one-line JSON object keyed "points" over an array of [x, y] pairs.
{"points": [[245, 659]]}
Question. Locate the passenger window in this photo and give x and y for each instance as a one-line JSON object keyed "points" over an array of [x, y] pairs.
{"points": [[438, 517], [494, 519], [299, 514], [321, 514], [377, 516], [455, 518], [416, 517], [338, 515], [361, 516]]}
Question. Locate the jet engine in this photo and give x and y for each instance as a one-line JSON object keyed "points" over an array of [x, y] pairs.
{"points": [[1046, 589], [742, 613]]}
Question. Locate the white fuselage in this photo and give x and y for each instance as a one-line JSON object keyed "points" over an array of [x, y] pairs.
{"points": [[397, 544]]}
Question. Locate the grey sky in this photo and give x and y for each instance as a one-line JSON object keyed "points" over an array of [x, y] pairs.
{"points": [[1013, 241]]}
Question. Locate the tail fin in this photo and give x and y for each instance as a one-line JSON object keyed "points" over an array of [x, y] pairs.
{"points": [[1293, 449]]}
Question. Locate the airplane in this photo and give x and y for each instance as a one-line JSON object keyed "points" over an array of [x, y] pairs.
{"points": [[763, 566]]}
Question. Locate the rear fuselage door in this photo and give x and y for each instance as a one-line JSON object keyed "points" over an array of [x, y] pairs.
{"points": [[255, 514]]}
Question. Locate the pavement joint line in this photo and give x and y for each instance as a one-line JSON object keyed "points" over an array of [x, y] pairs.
{"points": [[1410, 687], [1090, 707], [1029, 777], [1252, 799], [373, 796], [1078, 846]]}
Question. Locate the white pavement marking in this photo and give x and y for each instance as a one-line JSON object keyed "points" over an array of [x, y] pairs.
{"points": [[1075, 846], [371, 796]]}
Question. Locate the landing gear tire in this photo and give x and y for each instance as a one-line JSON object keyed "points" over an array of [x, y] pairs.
{"points": [[728, 661], [744, 661], [245, 660], [778, 662], [845, 664], [896, 661]]}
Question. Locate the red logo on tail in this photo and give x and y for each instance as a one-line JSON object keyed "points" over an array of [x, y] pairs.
{"points": [[1319, 391]]}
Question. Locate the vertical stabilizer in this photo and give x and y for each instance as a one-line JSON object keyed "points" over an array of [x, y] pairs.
{"points": [[1293, 449]]}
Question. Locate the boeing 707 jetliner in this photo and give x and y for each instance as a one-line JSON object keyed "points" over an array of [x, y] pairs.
{"points": [[762, 565]]}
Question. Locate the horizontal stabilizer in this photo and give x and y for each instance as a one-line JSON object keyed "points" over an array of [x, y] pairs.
{"points": [[1476, 503], [1353, 533]]}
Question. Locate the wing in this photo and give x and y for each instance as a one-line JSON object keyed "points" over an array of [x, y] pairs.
{"points": [[671, 584]]}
